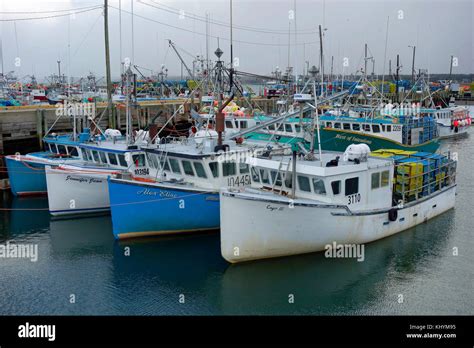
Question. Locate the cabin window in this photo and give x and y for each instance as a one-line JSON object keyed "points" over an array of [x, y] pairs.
{"points": [[328, 124], [163, 163], [112, 158], [214, 166], [271, 127], [346, 126], [139, 160], [336, 187], [356, 127], [151, 160], [280, 128], [62, 149], [96, 156], [352, 186], [243, 168], [174, 165], [228, 168], [297, 128], [84, 155], [276, 178], [49, 147], [188, 168], [288, 128], [375, 180], [337, 125], [103, 158], [255, 176], [385, 178], [289, 179], [122, 160], [264, 176], [243, 124], [228, 124], [376, 128], [383, 127], [198, 167], [389, 128], [366, 127], [303, 183], [54, 148], [72, 151], [318, 186]]}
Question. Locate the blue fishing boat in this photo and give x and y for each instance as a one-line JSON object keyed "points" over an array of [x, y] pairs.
{"points": [[27, 172], [181, 192]]}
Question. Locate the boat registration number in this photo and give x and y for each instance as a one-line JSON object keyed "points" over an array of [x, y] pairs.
{"points": [[396, 128], [352, 199], [239, 180], [142, 171]]}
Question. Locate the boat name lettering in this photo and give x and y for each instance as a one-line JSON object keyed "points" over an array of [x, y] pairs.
{"points": [[164, 194], [271, 208], [353, 139], [90, 181]]}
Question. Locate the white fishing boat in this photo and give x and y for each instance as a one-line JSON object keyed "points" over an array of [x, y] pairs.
{"points": [[453, 121], [82, 188], [300, 204]]}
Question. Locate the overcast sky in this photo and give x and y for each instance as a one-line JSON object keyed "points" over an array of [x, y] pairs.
{"points": [[438, 29]]}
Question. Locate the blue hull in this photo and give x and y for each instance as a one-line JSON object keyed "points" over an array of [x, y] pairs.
{"points": [[26, 178], [141, 209]]}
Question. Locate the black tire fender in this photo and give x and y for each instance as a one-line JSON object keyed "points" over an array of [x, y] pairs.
{"points": [[393, 214]]}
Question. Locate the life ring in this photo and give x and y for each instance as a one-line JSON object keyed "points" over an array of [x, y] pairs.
{"points": [[393, 214]]}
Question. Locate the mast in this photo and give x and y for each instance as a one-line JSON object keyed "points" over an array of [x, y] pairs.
{"points": [[451, 68], [120, 36], [133, 37], [413, 65], [296, 49], [397, 76], [321, 57], [231, 74], [365, 63], [107, 65]]}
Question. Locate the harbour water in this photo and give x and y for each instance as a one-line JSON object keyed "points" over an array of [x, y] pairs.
{"points": [[425, 270]]}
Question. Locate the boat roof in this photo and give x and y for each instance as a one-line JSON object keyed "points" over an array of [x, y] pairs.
{"points": [[318, 167]]}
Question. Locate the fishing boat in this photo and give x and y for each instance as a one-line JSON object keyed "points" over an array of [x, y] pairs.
{"points": [[27, 172], [452, 121], [302, 204], [181, 193], [81, 188], [417, 133]]}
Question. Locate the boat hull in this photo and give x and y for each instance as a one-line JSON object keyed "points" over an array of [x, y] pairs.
{"points": [[448, 132], [339, 140], [256, 228], [73, 193], [26, 177], [142, 209]]}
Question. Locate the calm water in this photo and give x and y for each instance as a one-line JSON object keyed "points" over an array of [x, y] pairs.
{"points": [[80, 257]]}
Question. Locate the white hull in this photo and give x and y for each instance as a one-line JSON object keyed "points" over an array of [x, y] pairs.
{"points": [[447, 132], [264, 226], [72, 192]]}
